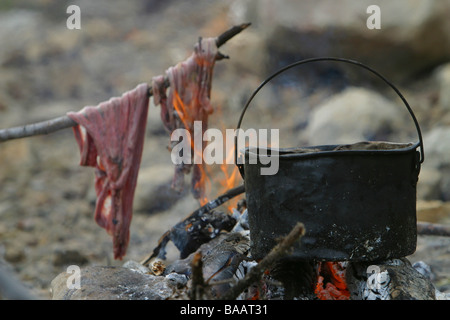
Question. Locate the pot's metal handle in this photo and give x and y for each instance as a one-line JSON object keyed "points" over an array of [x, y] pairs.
{"points": [[416, 123]]}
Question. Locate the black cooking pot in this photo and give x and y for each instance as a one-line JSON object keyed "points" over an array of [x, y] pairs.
{"points": [[357, 202]]}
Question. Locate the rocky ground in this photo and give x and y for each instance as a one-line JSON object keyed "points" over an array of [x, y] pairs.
{"points": [[47, 200]]}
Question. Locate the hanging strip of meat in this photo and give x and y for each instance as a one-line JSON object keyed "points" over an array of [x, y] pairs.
{"points": [[188, 100], [111, 138]]}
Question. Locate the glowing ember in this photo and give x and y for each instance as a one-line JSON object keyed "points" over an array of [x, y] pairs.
{"points": [[332, 275]]}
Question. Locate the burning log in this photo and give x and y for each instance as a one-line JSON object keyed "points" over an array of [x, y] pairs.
{"points": [[214, 264], [299, 279], [199, 227], [223, 261], [280, 251]]}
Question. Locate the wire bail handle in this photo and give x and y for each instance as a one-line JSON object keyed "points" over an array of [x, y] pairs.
{"points": [[416, 123]]}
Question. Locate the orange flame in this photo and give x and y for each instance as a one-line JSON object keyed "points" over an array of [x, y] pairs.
{"points": [[203, 182], [229, 177], [230, 180], [183, 112], [187, 119]]}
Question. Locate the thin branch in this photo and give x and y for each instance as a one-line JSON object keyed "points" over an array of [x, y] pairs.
{"points": [[281, 250], [230, 33], [433, 229], [63, 122], [34, 129]]}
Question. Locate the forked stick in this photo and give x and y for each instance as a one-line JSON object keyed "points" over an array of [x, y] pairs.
{"points": [[63, 122]]}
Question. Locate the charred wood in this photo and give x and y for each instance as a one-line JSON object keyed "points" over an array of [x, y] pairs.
{"points": [[280, 251], [195, 229], [297, 277]]}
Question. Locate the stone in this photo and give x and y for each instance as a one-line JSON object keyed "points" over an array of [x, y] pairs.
{"points": [[412, 36], [437, 158], [176, 280], [112, 283], [429, 184], [136, 266], [443, 80], [424, 269], [355, 115]]}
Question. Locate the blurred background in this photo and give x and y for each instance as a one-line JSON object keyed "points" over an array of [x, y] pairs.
{"points": [[47, 201]]}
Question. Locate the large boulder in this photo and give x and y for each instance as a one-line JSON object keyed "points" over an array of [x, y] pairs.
{"points": [[434, 179], [443, 82], [113, 283], [356, 114], [413, 36]]}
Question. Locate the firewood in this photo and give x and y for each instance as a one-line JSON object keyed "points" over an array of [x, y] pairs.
{"points": [[280, 251], [186, 239]]}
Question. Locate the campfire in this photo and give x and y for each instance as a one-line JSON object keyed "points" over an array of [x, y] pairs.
{"points": [[262, 236], [217, 247]]}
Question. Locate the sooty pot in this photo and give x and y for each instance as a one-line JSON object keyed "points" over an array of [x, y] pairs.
{"points": [[357, 202]]}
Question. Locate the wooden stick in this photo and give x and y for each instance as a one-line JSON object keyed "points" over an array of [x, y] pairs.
{"points": [[433, 229], [63, 122], [34, 129], [279, 251]]}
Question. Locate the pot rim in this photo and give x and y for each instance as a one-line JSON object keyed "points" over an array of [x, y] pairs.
{"points": [[328, 150]]}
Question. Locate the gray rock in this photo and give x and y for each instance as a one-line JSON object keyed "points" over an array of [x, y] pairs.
{"points": [[112, 283], [437, 160], [412, 37], [443, 80], [136, 266], [176, 280], [355, 115], [429, 184], [424, 269]]}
